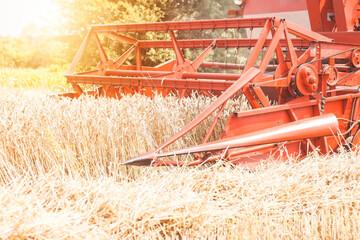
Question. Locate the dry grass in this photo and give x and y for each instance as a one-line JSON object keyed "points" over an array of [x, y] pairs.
{"points": [[318, 198], [60, 178], [90, 137]]}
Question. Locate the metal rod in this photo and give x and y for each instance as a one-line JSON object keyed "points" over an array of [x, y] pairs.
{"points": [[183, 25], [220, 43]]}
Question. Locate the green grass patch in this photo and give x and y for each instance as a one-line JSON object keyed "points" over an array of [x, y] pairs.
{"points": [[41, 78]]}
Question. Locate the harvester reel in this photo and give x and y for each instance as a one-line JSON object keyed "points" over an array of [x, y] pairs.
{"points": [[305, 63]]}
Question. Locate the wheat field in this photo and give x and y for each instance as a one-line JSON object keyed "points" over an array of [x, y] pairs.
{"points": [[61, 177]]}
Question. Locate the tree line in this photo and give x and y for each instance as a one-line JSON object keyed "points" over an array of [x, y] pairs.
{"points": [[37, 47]]}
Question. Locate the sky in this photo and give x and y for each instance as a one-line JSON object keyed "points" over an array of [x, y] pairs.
{"points": [[17, 14]]}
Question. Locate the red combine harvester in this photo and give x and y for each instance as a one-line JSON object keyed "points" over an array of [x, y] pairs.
{"points": [[312, 75]]}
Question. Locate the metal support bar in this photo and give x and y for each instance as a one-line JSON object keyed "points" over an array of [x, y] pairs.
{"points": [[80, 52], [124, 56], [220, 43], [113, 35], [213, 125], [183, 25], [103, 56], [197, 62], [179, 56]]}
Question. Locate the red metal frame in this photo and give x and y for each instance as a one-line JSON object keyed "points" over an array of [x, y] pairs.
{"points": [[313, 78]]}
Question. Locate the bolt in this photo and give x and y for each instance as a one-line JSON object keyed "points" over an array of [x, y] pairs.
{"points": [[311, 80]]}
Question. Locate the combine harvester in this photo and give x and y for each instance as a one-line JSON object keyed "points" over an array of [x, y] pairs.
{"points": [[312, 75]]}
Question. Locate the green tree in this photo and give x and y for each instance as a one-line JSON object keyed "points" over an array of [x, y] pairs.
{"points": [[79, 15]]}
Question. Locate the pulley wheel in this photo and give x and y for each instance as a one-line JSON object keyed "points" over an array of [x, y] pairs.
{"points": [[333, 75], [307, 79]]}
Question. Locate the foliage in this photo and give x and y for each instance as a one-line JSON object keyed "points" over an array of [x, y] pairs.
{"points": [[37, 47], [34, 48], [51, 78], [31, 53], [197, 9], [82, 14]]}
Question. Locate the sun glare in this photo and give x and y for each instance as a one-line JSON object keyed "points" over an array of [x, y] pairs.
{"points": [[15, 15]]}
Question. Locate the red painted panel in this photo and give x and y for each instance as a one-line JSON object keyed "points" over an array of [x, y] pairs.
{"points": [[268, 6]]}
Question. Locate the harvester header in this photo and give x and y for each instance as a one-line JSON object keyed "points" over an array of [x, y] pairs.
{"points": [[302, 84]]}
